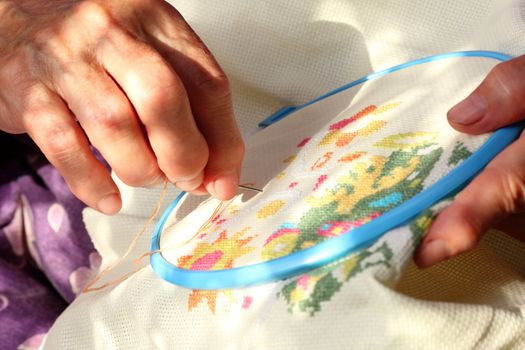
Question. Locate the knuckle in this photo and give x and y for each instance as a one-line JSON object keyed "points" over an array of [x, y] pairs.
{"points": [[95, 14], [145, 177], [59, 142], [237, 148], [13, 19], [216, 85], [165, 83], [187, 164], [113, 116], [153, 95], [47, 37], [503, 74], [9, 8], [166, 90], [231, 151], [161, 90], [14, 69]]}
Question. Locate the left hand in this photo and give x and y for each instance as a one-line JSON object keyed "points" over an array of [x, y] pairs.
{"points": [[496, 198]]}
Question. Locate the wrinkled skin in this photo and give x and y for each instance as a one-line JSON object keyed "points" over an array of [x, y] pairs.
{"points": [[131, 78]]}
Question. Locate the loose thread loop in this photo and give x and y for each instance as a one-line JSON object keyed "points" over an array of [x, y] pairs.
{"points": [[89, 287], [138, 261]]}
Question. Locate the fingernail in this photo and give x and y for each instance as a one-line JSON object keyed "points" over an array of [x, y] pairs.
{"points": [[225, 186], [469, 111], [110, 204], [433, 252]]}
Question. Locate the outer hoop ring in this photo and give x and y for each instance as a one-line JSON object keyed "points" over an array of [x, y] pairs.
{"points": [[335, 248]]}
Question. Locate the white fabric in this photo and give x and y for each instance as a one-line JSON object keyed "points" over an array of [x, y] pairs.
{"points": [[299, 160], [283, 53]]}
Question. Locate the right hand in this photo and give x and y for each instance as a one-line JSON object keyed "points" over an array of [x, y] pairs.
{"points": [[131, 77]]}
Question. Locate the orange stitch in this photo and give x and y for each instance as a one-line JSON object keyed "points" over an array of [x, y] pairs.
{"points": [[289, 159], [222, 236], [319, 163], [183, 260], [345, 139], [351, 157], [198, 296], [370, 128], [363, 113]]}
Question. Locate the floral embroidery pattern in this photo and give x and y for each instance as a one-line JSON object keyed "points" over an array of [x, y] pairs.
{"points": [[459, 153], [270, 209], [218, 254], [308, 292], [349, 190]]}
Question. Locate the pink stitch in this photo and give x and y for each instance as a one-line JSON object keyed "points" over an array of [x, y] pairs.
{"points": [[282, 232], [303, 142], [303, 282], [342, 123], [207, 261], [334, 229], [247, 302], [292, 185], [320, 182], [374, 215]]}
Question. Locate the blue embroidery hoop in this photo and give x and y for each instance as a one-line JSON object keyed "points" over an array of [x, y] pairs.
{"points": [[336, 248]]}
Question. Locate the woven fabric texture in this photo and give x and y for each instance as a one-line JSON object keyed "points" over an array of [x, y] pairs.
{"points": [[285, 53]]}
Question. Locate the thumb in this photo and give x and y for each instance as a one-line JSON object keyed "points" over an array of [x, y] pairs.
{"points": [[495, 196], [498, 101]]}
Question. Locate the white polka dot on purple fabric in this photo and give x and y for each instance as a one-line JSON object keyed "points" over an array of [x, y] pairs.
{"points": [[55, 216]]}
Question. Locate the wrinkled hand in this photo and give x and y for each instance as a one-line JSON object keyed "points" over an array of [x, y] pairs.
{"points": [[496, 198], [131, 77]]}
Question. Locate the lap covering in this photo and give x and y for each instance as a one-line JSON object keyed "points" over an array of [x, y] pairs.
{"points": [[286, 54]]}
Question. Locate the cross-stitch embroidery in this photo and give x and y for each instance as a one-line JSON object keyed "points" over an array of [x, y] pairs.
{"points": [[350, 189]]}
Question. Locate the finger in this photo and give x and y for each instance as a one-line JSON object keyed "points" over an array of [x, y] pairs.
{"points": [[209, 94], [498, 101], [110, 123], [499, 191], [162, 105], [53, 128]]}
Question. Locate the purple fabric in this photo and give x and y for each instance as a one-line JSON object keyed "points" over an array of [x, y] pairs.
{"points": [[46, 256]]}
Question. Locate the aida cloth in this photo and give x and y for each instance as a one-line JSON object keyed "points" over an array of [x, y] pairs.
{"points": [[285, 53]]}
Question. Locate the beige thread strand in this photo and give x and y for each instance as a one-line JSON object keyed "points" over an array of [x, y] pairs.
{"points": [[138, 261], [218, 210], [88, 287]]}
